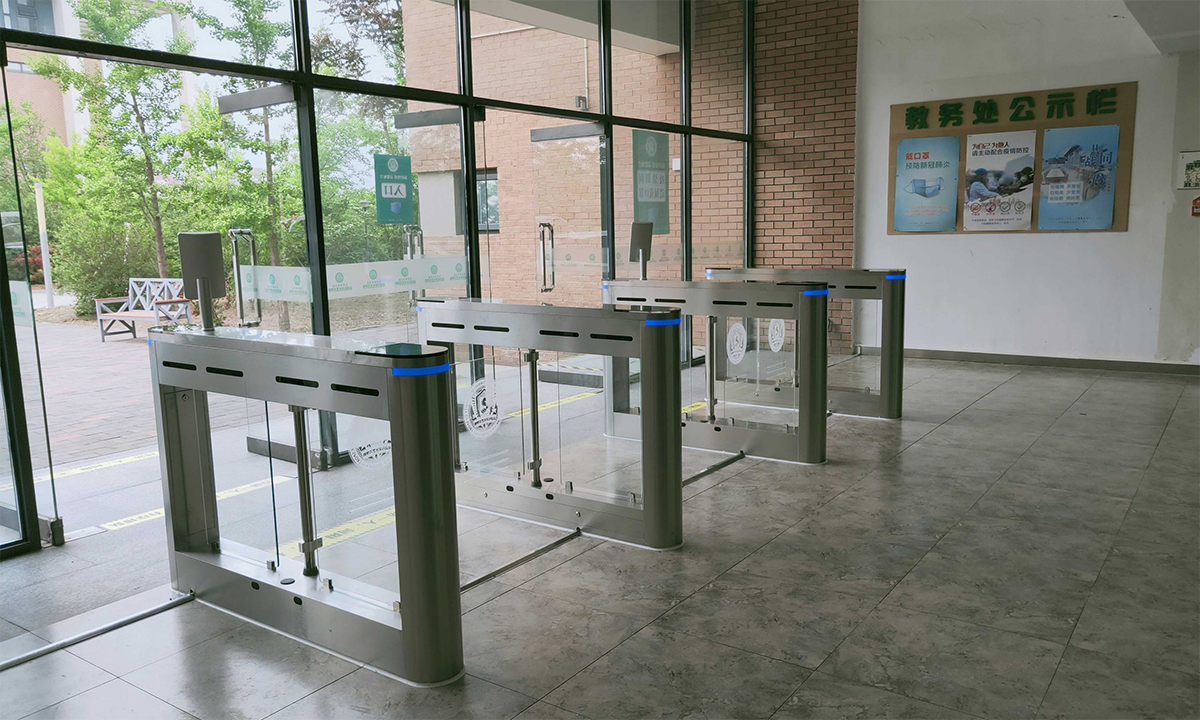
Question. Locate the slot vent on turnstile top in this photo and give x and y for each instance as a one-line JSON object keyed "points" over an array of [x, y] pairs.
{"points": [[354, 390], [774, 304], [303, 382], [631, 299], [449, 326], [671, 301], [559, 333], [729, 302], [223, 371], [178, 365], [492, 328], [859, 287], [603, 336]]}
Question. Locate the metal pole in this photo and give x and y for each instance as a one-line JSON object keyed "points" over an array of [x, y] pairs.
{"points": [[710, 366], [811, 371], [535, 442], [891, 347], [308, 527], [44, 239], [662, 433], [426, 524], [99, 630], [204, 295]]}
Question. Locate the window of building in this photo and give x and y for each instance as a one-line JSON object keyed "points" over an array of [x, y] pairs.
{"points": [[487, 193]]}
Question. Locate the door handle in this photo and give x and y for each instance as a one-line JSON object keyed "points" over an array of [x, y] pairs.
{"points": [[546, 232]]}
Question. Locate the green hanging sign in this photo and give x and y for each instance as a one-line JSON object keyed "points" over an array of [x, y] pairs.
{"points": [[393, 190]]}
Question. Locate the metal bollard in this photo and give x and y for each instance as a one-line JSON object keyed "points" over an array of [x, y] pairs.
{"points": [[662, 433], [891, 350], [426, 523], [812, 371]]}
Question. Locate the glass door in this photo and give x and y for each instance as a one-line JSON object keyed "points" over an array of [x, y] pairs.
{"points": [[19, 530]]}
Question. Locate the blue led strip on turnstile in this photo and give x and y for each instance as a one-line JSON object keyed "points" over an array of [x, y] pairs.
{"points": [[816, 292], [896, 276], [417, 372], [660, 323]]}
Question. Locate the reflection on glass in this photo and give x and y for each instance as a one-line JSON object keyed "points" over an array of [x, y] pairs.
{"points": [[718, 64], [544, 245], [646, 177], [411, 43], [717, 208], [392, 198], [258, 33], [646, 59], [537, 52]]}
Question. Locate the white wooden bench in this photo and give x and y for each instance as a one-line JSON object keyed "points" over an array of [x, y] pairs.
{"points": [[156, 300]]}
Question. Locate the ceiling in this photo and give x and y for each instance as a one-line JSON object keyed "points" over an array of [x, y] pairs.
{"points": [[1173, 25]]}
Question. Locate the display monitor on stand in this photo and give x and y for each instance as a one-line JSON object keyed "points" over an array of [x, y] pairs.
{"points": [[203, 268], [641, 236]]}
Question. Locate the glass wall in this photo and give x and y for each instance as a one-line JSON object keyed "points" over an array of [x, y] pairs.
{"points": [[354, 167]]}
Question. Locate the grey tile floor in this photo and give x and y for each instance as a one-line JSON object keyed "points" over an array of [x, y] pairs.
{"points": [[1026, 543]]}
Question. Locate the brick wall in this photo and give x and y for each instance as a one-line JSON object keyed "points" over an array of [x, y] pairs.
{"points": [[805, 83]]}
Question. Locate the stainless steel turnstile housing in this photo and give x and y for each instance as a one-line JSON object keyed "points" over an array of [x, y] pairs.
{"points": [[888, 287], [653, 337], [418, 638], [803, 303]]}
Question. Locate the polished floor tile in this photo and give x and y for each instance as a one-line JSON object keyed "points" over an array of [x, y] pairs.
{"points": [[825, 697], [114, 700], [659, 673], [958, 665], [1164, 524], [1098, 452], [545, 711], [126, 649], [43, 682], [1060, 474], [1092, 685], [1008, 500], [367, 694], [245, 674], [776, 617], [1151, 629], [531, 643], [631, 581], [1029, 597]]}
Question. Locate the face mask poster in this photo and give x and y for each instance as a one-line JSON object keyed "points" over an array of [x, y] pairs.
{"points": [[1037, 161]]}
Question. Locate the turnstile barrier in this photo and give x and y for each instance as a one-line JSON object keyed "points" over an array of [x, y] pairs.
{"points": [[511, 342], [798, 312], [419, 637], [885, 286]]}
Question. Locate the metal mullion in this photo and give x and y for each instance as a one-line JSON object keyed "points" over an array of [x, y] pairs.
{"points": [[685, 140], [748, 147], [400, 92], [36, 42], [466, 86], [607, 184]]}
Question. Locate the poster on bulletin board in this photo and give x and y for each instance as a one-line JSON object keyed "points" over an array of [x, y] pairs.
{"points": [[1037, 161], [926, 175]]}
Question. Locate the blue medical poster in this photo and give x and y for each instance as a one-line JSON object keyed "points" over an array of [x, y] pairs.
{"points": [[926, 185], [1079, 169]]}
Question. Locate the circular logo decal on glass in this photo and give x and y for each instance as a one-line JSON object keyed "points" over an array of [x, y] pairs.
{"points": [[404, 271], [373, 448], [296, 280], [458, 267], [433, 270], [651, 146], [339, 277], [271, 278], [374, 274], [775, 333], [393, 164], [735, 343], [481, 414]]}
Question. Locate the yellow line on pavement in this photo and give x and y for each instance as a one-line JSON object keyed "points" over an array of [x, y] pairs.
{"points": [[553, 404], [154, 514], [60, 474], [694, 406], [346, 531]]}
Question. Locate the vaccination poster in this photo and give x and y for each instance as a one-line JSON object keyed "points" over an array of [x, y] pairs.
{"points": [[926, 182], [998, 193], [1079, 169]]}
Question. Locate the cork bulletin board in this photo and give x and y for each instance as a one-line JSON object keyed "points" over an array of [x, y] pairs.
{"points": [[1030, 162]]}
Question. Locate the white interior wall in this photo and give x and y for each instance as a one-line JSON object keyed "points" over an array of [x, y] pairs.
{"points": [[1079, 295]]}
